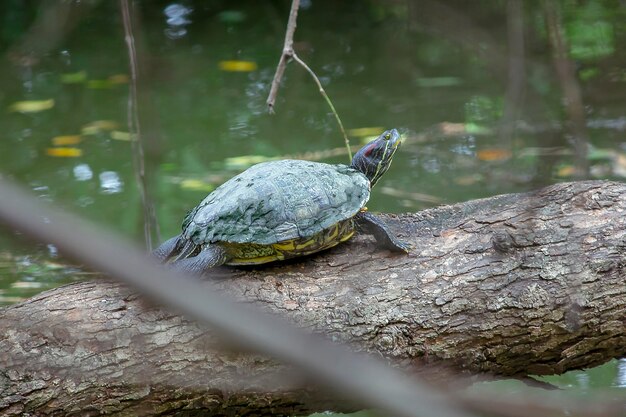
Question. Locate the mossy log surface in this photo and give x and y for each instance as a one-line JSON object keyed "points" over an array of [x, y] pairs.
{"points": [[508, 286]]}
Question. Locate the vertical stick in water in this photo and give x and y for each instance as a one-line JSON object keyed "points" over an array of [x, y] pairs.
{"points": [[149, 218]]}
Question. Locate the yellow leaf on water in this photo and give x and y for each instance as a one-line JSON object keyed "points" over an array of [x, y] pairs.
{"points": [[90, 130], [98, 126], [118, 79], [494, 154], [196, 185], [64, 152], [238, 66], [566, 171], [366, 131], [119, 135], [74, 77], [66, 140], [32, 106]]}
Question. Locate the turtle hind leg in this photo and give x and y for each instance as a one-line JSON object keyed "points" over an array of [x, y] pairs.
{"points": [[168, 249], [210, 256], [371, 224], [187, 249]]}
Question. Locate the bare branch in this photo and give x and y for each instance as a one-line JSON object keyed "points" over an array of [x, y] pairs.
{"points": [[287, 53]]}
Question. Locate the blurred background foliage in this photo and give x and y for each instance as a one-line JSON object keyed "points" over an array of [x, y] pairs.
{"points": [[493, 97]]}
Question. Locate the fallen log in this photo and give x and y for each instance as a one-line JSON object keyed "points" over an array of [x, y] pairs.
{"points": [[506, 286]]}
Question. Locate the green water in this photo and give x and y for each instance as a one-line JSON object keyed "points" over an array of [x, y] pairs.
{"points": [[442, 72]]}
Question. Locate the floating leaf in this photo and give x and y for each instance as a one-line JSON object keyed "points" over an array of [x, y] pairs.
{"points": [[426, 198], [169, 166], [118, 79], [27, 284], [98, 126], [238, 66], [64, 152], [10, 299], [449, 128], [566, 171], [66, 140], [366, 131], [533, 152], [600, 154], [74, 77], [196, 185], [494, 154], [32, 106], [468, 179], [119, 135], [245, 161], [476, 129]]}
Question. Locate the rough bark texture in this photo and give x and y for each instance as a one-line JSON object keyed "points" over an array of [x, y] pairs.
{"points": [[511, 285]]}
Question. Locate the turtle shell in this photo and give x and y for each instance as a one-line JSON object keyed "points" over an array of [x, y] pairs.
{"points": [[278, 201]]}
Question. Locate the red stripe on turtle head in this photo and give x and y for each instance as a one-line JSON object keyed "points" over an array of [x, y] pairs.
{"points": [[369, 149]]}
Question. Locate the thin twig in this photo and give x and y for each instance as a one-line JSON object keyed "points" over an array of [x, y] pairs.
{"points": [[150, 223], [288, 53], [330, 103]]}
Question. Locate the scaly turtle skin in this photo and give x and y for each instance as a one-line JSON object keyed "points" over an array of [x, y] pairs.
{"points": [[283, 209]]}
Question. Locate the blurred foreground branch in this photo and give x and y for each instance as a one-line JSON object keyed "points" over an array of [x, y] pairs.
{"points": [[506, 286]]}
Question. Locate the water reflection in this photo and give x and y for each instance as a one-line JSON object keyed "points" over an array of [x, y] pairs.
{"points": [[110, 182], [43, 192], [53, 252], [177, 20], [620, 379], [583, 380], [82, 172]]}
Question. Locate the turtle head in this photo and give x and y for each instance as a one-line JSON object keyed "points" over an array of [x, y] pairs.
{"points": [[374, 159]]}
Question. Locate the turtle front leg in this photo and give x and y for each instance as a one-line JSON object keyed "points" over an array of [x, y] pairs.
{"points": [[209, 256], [369, 223]]}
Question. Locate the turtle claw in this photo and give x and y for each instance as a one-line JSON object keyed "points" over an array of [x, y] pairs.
{"points": [[399, 246]]}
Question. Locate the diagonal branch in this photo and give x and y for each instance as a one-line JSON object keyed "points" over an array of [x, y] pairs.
{"points": [[287, 53]]}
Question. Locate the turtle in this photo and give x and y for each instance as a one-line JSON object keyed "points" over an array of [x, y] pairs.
{"points": [[282, 209]]}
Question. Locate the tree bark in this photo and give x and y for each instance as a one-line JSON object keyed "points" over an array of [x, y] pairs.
{"points": [[509, 286]]}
